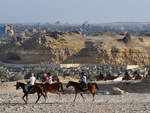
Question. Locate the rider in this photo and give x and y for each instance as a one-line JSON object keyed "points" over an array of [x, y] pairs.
{"points": [[45, 77], [101, 75], [109, 74], [82, 81], [49, 78], [127, 74], [30, 82]]}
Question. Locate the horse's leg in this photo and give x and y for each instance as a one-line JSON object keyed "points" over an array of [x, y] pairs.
{"points": [[23, 98], [75, 97], [26, 98], [59, 96], [39, 95], [93, 93], [44, 96], [82, 97]]}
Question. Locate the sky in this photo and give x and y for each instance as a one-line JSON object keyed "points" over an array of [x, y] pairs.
{"points": [[74, 11]]}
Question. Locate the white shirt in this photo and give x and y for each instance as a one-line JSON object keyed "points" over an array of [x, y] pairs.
{"points": [[83, 79], [49, 80], [32, 80]]}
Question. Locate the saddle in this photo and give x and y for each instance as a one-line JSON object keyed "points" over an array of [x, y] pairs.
{"points": [[28, 88], [83, 86]]}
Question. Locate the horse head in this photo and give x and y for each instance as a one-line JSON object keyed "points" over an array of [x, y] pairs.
{"points": [[70, 83], [18, 85]]}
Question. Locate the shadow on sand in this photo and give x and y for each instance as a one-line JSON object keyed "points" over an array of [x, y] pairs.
{"points": [[128, 86]]}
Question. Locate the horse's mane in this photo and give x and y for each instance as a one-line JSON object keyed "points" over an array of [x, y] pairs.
{"points": [[21, 83]]}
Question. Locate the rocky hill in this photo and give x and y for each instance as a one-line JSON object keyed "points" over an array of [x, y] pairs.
{"points": [[73, 47]]}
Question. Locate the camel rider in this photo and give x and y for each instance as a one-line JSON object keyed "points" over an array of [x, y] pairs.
{"points": [[30, 82], [49, 79], [82, 81]]}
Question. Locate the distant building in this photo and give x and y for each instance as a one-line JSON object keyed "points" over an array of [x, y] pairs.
{"points": [[43, 31], [23, 34], [34, 30]]}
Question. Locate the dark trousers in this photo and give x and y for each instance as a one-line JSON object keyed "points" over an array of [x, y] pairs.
{"points": [[82, 85]]}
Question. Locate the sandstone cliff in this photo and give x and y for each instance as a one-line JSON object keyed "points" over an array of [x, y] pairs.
{"points": [[72, 47]]}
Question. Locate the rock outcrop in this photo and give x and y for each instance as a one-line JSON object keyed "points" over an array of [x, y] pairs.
{"points": [[72, 47]]}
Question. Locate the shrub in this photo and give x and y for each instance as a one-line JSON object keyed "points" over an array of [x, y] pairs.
{"points": [[3, 74], [18, 76]]}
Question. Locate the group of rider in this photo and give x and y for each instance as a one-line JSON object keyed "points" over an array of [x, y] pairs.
{"points": [[48, 78], [101, 75]]}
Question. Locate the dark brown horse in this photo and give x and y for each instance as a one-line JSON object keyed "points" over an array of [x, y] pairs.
{"points": [[137, 77], [110, 77], [33, 89], [127, 78], [53, 88], [90, 87], [100, 78], [54, 78], [106, 77]]}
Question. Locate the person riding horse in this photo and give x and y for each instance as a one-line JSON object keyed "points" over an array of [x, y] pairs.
{"points": [[30, 82], [101, 76], [127, 76], [44, 77], [82, 81], [49, 78], [109, 75]]}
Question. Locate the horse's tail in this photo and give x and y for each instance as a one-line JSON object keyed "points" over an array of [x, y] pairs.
{"points": [[61, 85], [96, 86]]}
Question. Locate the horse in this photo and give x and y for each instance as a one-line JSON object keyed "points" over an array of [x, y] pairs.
{"points": [[107, 77], [53, 88], [54, 78], [127, 78], [110, 77], [137, 77], [33, 89], [76, 86]]}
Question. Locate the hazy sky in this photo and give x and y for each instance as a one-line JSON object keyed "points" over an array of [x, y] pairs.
{"points": [[74, 11]]}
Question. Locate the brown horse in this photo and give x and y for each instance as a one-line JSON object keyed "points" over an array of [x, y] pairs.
{"points": [[54, 78], [53, 88], [110, 77], [76, 86], [137, 77], [33, 89], [99, 78], [127, 78], [106, 77]]}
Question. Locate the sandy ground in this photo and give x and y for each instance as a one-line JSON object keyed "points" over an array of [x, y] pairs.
{"points": [[135, 100]]}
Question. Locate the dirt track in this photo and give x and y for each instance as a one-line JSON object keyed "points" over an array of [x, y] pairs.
{"points": [[137, 100]]}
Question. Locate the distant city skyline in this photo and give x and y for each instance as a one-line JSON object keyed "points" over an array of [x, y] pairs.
{"points": [[74, 11]]}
